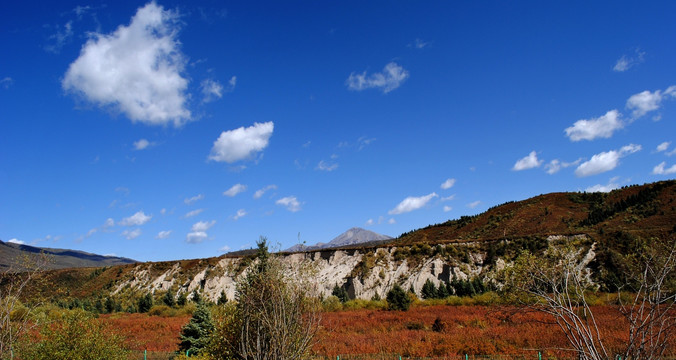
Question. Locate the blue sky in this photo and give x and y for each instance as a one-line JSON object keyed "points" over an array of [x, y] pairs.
{"points": [[171, 130]]}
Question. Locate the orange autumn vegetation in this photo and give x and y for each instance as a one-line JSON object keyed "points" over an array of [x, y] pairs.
{"points": [[474, 330]]}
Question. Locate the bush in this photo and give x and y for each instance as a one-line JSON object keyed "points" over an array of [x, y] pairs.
{"points": [[332, 303], [75, 335], [145, 303], [398, 299]]}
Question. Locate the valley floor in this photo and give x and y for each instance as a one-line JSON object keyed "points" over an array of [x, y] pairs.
{"points": [[473, 330]]}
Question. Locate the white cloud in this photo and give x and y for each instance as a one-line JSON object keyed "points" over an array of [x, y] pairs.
{"points": [[290, 202], [16, 241], [232, 82], [137, 219], [528, 162], [234, 190], [601, 127], [612, 185], [418, 44], [473, 204], [240, 214], [448, 184], [108, 223], [196, 237], [193, 199], [605, 161], [163, 234], [193, 213], [211, 90], [369, 222], [142, 144], [6, 82], [260, 192], [663, 146], [625, 62], [662, 170], [556, 165], [412, 203], [241, 143], [225, 248], [448, 198], [163, 211], [391, 221], [202, 226], [646, 101], [131, 234], [447, 208], [389, 79], [136, 69], [326, 166]]}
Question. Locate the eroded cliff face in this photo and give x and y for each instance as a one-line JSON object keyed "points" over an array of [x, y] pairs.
{"points": [[364, 273]]}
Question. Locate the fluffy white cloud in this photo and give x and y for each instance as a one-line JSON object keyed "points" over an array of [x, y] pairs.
{"points": [[241, 143], [193, 199], [389, 79], [662, 170], [234, 190], [605, 161], [447, 208], [192, 213], [290, 202], [137, 219], [260, 192], [612, 185], [412, 203], [136, 69], [131, 234], [556, 165], [369, 222], [327, 166], [163, 234], [601, 127], [142, 144], [240, 213], [646, 101], [448, 184], [663, 146], [196, 237], [16, 241], [202, 225], [528, 162]]}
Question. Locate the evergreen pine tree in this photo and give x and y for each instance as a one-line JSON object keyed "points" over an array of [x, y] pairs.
{"points": [[223, 299], [195, 334], [398, 299], [145, 303], [429, 291], [340, 293], [168, 299], [442, 291], [182, 299]]}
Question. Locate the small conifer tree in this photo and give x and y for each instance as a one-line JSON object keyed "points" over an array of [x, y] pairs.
{"points": [[195, 334]]}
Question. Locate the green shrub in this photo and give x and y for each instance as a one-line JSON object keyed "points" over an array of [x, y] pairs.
{"points": [[398, 299], [75, 335], [332, 303]]}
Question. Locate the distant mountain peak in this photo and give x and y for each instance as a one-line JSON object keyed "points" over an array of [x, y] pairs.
{"points": [[352, 236]]}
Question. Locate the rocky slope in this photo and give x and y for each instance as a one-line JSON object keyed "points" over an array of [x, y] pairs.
{"points": [[476, 247], [353, 236]]}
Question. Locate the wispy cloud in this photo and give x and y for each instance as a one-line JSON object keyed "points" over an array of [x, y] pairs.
{"points": [[193, 213], [663, 146], [163, 234], [412, 203], [192, 200], [142, 144], [327, 166], [6, 82], [556, 165], [529, 162], [291, 203], [212, 89], [474, 204], [240, 213], [242, 143], [605, 161], [392, 76], [626, 62], [234, 190], [260, 192], [59, 38], [131, 234], [448, 184], [137, 69]]}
